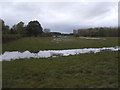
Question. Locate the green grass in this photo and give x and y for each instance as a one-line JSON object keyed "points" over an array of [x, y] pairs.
{"points": [[46, 43], [10, 37], [98, 70]]}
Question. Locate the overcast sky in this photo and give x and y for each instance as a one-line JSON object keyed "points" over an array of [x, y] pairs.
{"points": [[61, 16]]}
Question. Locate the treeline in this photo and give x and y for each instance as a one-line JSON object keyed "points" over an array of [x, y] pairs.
{"points": [[19, 30], [32, 29], [97, 32]]}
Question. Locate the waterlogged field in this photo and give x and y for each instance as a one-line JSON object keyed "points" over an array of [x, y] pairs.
{"points": [[34, 44], [99, 70]]}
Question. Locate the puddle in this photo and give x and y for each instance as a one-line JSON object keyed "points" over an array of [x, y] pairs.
{"points": [[61, 39], [92, 38], [7, 56]]}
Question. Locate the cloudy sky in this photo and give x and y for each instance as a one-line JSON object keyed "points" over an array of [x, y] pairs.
{"points": [[61, 16]]}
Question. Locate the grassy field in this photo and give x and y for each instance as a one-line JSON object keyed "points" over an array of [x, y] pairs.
{"points": [[80, 71], [46, 43], [98, 70]]}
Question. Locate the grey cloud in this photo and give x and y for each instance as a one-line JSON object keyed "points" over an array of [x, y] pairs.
{"points": [[61, 16]]}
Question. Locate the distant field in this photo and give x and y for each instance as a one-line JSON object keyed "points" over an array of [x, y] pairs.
{"points": [[45, 43], [98, 70]]}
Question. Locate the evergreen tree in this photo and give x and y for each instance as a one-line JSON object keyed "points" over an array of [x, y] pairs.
{"points": [[34, 29]]}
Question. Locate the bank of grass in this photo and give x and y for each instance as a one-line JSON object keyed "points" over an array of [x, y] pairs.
{"points": [[98, 70], [10, 37], [46, 43]]}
